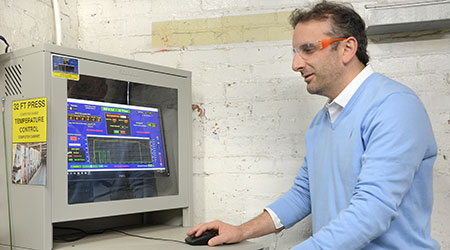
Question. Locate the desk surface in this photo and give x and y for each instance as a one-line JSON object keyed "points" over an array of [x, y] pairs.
{"points": [[116, 240]]}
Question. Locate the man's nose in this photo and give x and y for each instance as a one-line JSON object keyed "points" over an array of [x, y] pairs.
{"points": [[298, 63]]}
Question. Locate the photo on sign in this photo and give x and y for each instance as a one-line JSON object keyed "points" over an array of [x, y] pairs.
{"points": [[29, 163]]}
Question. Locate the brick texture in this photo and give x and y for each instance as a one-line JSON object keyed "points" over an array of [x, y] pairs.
{"points": [[253, 111], [248, 139]]}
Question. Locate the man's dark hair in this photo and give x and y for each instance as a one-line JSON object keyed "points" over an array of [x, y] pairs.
{"points": [[345, 22]]}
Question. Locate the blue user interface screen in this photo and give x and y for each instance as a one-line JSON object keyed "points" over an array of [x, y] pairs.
{"points": [[113, 137]]}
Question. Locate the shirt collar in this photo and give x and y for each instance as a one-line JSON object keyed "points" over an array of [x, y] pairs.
{"points": [[344, 97]]}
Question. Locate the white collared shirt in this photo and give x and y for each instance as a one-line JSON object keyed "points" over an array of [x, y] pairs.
{"points": [[334, 109], [338, 104]]}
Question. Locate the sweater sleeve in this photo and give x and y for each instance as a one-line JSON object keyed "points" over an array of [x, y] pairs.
{"points": [[295, 204], [397, 136]]}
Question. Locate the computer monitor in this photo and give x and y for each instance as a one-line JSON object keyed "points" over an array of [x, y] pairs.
{"points": [[92, 167], [109, 143], [116, 140]]}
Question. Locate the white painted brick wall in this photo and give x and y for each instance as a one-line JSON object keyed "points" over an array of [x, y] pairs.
{"points": [[249, 143], [249, 140], [25, 23]]}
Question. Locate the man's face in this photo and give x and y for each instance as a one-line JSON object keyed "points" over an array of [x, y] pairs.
{"points": [[320, 69]]}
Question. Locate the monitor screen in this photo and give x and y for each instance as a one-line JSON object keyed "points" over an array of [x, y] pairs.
{"points": [[113, 137], [112, 149]]}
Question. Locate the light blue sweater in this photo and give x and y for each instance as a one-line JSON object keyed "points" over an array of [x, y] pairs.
{"points": [[367, 177]]}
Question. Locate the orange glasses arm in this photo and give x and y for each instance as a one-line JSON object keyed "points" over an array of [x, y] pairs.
{"points": [[326, 42]]}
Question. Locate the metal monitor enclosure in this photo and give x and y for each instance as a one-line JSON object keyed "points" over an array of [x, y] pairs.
{"points": [[35, 73]]}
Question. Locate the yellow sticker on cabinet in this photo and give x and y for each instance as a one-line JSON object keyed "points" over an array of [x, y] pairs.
{"points": [[65, 67], [29, 120]]}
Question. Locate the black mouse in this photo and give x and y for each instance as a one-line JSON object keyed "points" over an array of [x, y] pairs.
{"points": [[200, 240]]}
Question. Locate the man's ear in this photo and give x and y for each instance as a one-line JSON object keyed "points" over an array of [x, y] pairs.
{"points": [[350, 48]]}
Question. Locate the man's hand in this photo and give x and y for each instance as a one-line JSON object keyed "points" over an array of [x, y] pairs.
{"points": [[226, 233]]}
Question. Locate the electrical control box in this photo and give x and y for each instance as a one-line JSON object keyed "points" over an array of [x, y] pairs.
{"points": [[90, 136]]}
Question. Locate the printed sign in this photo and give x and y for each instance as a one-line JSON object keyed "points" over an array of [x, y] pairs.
{"points": [[65, 67], [30, 120], [29, 151]]}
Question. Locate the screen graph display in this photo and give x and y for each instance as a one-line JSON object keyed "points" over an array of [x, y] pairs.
{"points": [[116, 150], [113, 137]]}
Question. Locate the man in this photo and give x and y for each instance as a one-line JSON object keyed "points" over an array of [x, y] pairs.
{"points": [[367, 174]]}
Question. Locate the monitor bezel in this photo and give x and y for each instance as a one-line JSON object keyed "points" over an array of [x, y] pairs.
{"points": [[118, 70]]}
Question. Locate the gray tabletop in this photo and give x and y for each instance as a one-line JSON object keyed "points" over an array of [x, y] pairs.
{"points": [[115, 240]]}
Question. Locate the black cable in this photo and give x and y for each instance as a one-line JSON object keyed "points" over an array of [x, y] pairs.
{"points": [[80, 234], [7, 44], [146, 237]]}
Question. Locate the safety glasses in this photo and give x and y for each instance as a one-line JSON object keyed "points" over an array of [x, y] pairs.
{"points": [[307, 49]]}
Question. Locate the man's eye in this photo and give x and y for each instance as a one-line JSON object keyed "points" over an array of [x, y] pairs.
{"points": [[308, 48]]}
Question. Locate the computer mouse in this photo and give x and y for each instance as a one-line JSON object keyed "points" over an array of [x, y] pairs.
{"points": [[200, 240]]}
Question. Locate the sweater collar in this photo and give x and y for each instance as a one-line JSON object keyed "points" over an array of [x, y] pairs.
{"points": [[344, 97]]}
